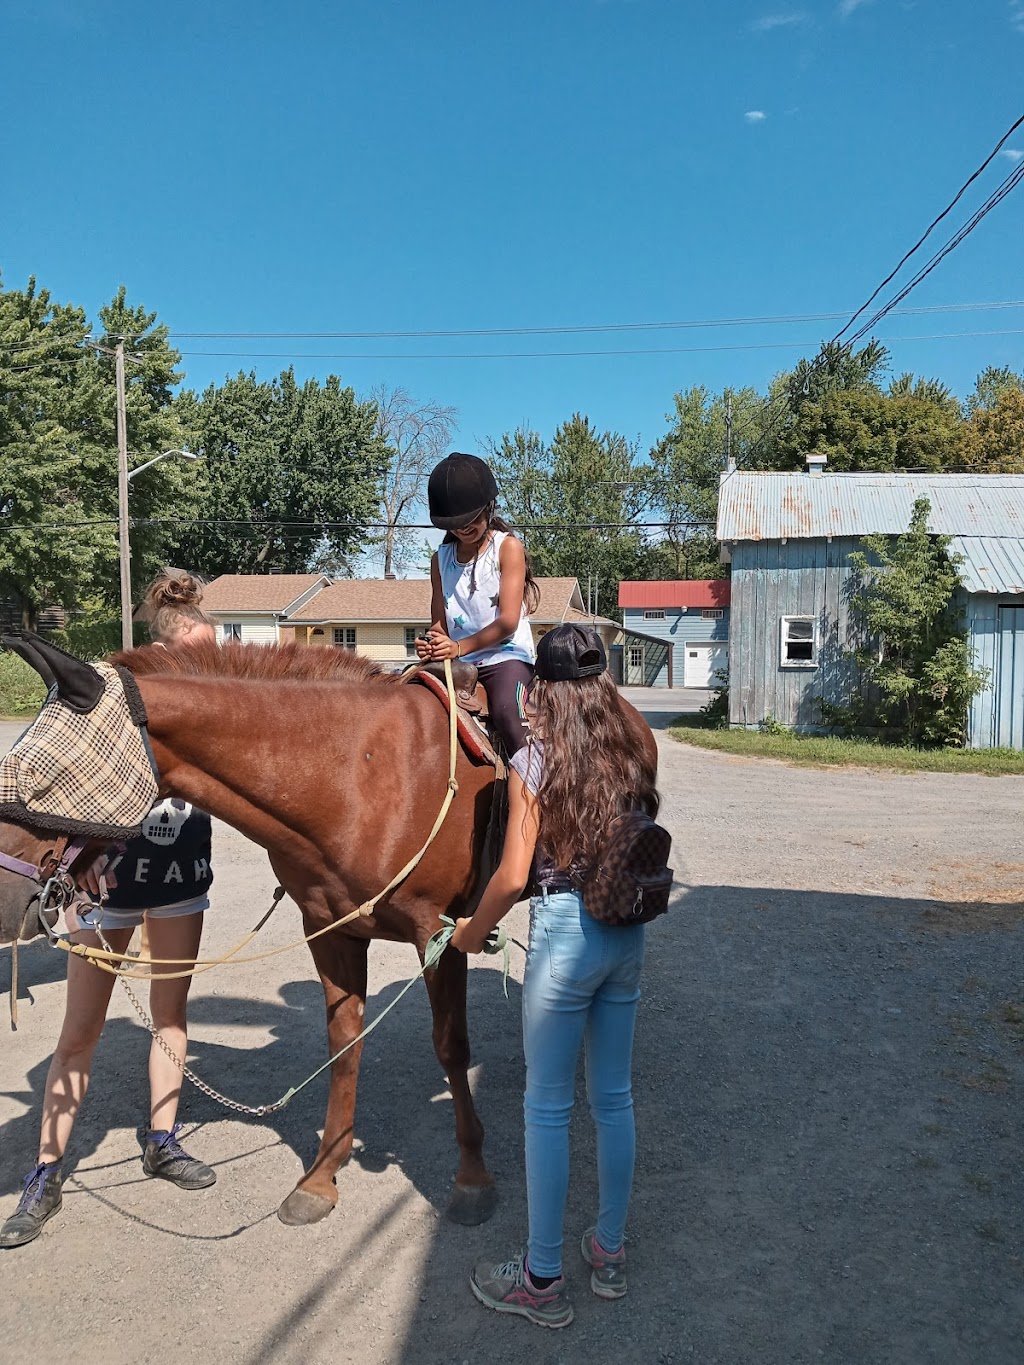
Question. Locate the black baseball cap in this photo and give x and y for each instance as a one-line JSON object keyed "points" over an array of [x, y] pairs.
{"points": [[458, 490], [570, 652]]}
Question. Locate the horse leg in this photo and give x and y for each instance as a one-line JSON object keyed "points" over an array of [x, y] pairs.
{"points": [[341, 965], [475, 1196]]}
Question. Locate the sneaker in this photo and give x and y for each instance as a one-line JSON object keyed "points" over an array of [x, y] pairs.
{"points": [[40, 1199], [608, 1280], [165, 1157], [507, 1288]]}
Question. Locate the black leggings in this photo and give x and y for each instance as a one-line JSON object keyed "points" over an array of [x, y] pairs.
{"points": [[505, 685]]}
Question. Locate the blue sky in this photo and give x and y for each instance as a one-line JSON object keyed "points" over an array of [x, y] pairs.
{"points": [[402, 165]]}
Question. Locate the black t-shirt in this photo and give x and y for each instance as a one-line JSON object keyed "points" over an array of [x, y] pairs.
{"points": [[168, 862]]}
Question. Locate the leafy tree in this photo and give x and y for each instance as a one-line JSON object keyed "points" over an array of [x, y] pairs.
{"points": [[290, 477], [994, 435], [990, 386], [40, 467], [414, 436], [593, 492], [863, 429], [916, 670]]}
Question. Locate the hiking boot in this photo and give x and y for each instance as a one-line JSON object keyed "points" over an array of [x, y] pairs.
{"points": [[40, 1200], [165, 1157], [507, 1288], [608, 1280]]}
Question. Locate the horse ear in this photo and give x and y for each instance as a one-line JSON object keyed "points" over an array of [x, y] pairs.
{"points": [[78, 684]]}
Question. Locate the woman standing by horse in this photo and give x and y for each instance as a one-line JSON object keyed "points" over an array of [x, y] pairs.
{"points": [[162, 879], [482, 592], [581, 769]]}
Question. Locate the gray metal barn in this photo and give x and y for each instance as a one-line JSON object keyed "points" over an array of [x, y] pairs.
{"points": [[789, 538]]}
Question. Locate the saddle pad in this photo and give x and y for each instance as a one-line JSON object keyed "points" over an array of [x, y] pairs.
{"points": [[89, 773], [471, 734]]}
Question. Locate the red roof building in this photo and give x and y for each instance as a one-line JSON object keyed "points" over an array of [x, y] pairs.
{"points": [[693, 592]]}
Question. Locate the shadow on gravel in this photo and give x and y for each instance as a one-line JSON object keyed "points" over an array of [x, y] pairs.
{"points": [[830, 1097]]}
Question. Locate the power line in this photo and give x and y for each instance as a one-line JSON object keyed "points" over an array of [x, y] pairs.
{"points": [[299, 527]]}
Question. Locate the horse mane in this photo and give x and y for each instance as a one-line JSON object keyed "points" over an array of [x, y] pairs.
{"points": [[262, 663]]}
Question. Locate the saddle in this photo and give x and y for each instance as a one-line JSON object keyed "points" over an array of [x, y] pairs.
{"points": [[471, 707]]}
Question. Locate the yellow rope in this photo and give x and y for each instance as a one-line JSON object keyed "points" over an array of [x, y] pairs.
{"points": [[107, 961]]}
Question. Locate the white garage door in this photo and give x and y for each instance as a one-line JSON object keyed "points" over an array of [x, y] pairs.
{"points": [[703, 662]]}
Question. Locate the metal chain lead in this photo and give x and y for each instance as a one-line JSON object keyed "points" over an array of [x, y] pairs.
{"points": [[257, 1111]]}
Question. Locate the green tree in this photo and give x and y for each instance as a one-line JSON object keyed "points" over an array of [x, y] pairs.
{"points": [[290, 476], [990, 386], [864, 429], [45, 550], [593, 492], [915, 662], [994, 436]]}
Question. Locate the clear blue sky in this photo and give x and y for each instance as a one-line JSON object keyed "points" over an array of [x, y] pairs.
{"points": [[397, 164]]}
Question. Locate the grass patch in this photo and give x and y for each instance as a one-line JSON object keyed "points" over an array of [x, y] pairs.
{"points": [[21, 689], [825, 751]]}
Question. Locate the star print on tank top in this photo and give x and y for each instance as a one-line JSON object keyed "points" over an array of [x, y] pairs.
{"points": [[467, 612]]}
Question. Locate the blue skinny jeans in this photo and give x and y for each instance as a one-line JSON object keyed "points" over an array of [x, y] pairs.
{"points": [[582, 984]]}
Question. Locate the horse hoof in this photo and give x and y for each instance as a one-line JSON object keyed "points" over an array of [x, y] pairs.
{"points": [[471, 1205], [301, 1207]]}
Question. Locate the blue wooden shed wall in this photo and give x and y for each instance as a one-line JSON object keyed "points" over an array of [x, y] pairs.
{"points": [[678, 629], [813, 578]]}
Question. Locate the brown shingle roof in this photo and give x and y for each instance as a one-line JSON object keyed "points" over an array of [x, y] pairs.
{"points": [[408, 599], [257, 592]]}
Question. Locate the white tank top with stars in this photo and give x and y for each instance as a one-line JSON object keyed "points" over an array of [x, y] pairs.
{"points": [[468, 612]]}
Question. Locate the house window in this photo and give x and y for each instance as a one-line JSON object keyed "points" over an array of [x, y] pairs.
{"points": [[654, 614], [799, 642], [232, 630], [636, 659], [345, 637], [411, 633], [712, 614]]}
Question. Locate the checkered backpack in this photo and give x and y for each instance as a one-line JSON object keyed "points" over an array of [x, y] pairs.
{"points": [[632, 881]]}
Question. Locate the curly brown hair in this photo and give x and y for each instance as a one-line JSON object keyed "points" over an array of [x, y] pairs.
{"points": [[170, 606], [596, 767]]}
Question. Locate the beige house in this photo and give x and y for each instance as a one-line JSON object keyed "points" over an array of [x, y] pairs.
{"points": [[249, 607], [377, 617]]}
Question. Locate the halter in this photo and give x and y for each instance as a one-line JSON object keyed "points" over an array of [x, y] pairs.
{"points": [[52, 873]]}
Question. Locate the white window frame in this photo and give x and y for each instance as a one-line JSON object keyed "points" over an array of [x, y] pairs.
{"points": [[654, 613], [635, 660], [785, 639], [347, 636], [411, 635], [231, 630], [712, 614]]}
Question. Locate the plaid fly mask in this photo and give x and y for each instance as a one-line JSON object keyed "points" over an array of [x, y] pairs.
{"points": [[83, 770]]}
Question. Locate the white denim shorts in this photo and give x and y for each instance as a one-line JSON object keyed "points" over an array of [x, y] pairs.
{"points": [[106, 917]]}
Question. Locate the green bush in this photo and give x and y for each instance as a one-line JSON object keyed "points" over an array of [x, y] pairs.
{"points": [[716, 711], [21, 689]]}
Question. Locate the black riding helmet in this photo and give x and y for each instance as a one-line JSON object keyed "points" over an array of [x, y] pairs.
{"points": [[458, 491], [570, 652]]}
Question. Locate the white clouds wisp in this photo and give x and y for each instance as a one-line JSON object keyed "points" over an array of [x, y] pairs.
{"points": [[1012, 154], [790, 19], [755, 116], [846, 7]]}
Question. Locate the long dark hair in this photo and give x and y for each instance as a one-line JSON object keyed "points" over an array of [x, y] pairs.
{"points": [[531, 594], [595, 767]]}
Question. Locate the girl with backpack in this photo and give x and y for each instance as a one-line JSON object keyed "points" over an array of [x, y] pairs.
{"points": [[586, 765], [162, 881], [482, 592]]}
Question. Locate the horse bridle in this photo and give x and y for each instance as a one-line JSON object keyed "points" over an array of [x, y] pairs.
{"points": [[52, 873]]}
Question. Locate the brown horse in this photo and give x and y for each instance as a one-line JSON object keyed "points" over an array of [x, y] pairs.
{"points": [[338, 772]]}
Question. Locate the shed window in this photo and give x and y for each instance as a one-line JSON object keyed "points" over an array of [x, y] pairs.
{"points": [[799, 642], [654, 614], [232, 630], [712, 614], [345, 637]]}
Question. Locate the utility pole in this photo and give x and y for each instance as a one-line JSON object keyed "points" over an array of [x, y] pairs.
{"points": [[729, 464], [124, 547]]}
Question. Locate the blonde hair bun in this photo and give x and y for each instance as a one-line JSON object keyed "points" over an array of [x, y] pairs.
{"points": [[172, 588]]}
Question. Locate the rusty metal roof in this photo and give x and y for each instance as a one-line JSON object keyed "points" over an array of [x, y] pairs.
{"points": [[808, 506], [991, 563]]}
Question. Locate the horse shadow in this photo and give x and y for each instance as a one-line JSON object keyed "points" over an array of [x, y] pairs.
{"points": [[404, 1114]]}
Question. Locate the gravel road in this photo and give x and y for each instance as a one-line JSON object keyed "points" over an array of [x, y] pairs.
{"points": [[830, 1095]]}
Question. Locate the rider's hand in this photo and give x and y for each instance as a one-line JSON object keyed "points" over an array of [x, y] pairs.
{"points": [[423, 647], [468, 938], [90, 878], [442, 647]]}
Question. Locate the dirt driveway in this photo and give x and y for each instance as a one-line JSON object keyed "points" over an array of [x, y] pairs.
{"points": [[830, 1095]]}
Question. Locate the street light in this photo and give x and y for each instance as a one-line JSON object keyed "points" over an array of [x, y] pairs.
{"points": [[125, 475]]}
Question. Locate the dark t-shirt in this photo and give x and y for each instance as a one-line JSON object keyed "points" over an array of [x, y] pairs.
{"points": [[168, 863]]}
